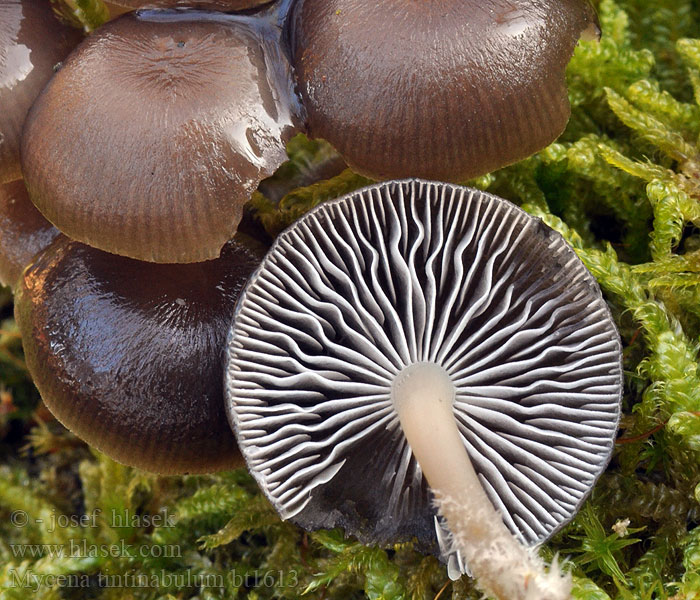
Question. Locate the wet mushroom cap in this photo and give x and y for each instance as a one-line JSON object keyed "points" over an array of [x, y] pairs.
{"points": [[367, 286], [32, 41], [157, 130], [129, 355], [446, 89], [23, 231]]}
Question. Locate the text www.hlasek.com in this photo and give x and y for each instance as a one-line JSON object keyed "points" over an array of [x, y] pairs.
{"points": [[81, 549]]}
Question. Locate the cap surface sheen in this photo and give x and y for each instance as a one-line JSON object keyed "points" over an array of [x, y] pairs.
{"points": [[32, 41], [129, 355], [414, 271], [23, 231], [442, 89], [157, 130]]}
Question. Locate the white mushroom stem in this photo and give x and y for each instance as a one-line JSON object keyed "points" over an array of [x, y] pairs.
{"points": [[423, 396]]}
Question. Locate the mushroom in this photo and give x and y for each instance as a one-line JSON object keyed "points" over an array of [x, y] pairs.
{"points": [[446, 89], [157, 130], [129, 355], [419, 339], [32, 41], [23, 231]]}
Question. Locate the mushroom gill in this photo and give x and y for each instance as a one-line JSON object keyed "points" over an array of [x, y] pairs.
{"points": [[477, 304]]}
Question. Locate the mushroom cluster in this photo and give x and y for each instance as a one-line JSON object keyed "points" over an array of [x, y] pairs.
{"points": [[129, 354], [140, 153], [154, 132]]}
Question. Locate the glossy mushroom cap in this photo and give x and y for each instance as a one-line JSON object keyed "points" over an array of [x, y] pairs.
{"points": [[23, 231], [365, 287], [156, 131], [445, 89], [129, 355], [32, 41]]}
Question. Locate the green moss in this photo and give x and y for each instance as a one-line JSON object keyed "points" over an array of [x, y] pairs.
{"points": [[622, 185]]}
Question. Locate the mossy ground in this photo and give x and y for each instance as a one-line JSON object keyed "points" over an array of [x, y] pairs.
{"points": [[623, 187]]}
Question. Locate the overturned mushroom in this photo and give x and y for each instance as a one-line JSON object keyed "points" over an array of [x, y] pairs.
{"points": [[129, 355], [23, 231], [446, 89], [412, 318], [186, 112], [32, 42]]}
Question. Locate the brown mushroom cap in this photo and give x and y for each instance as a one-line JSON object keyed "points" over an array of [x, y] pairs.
{"points": [[129, 355], [32, 41], [156, 131], [445, 89], [23, 231]]}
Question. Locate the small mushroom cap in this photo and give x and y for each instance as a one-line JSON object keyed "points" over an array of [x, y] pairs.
{"points": [[157, 130], [32, 41], [445, 89], [408, 272], [129, 355], [23, 231]]}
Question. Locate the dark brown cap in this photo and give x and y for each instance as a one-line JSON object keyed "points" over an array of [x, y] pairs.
{"points": [[23, 231], [129, 355], [157, 130], [32, 41], [445, 89]]}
